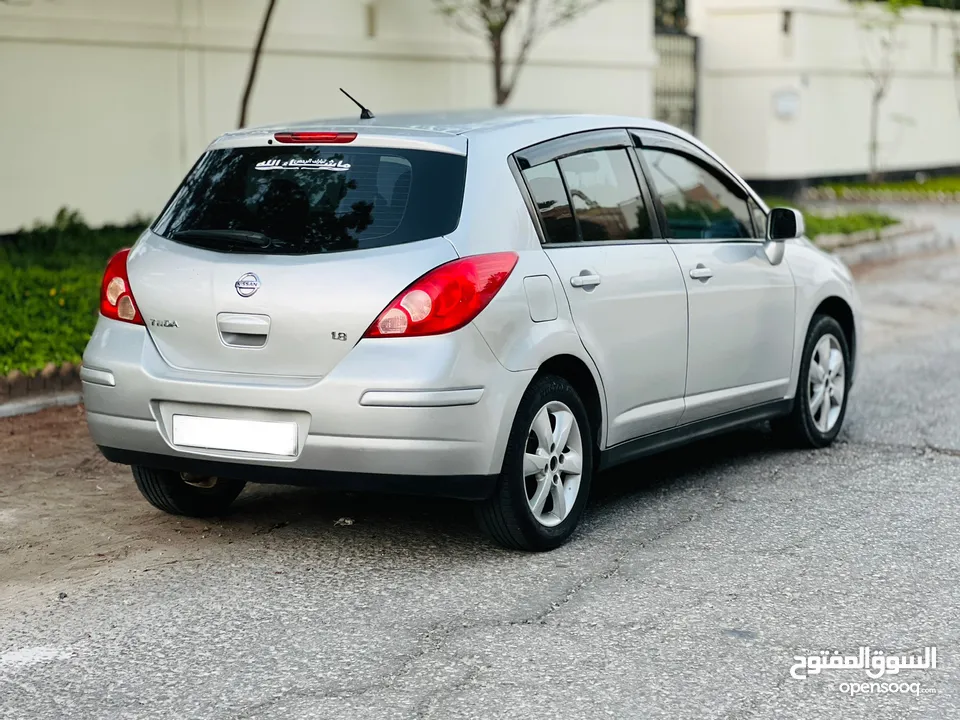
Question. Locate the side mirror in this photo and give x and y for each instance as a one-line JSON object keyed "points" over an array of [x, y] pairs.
{"points": [[782, 224], [785, 224]]}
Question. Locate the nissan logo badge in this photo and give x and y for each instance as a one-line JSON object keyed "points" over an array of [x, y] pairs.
{"points": [[247, 285]]}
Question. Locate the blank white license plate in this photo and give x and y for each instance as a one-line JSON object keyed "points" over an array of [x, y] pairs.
{"points": [[252, 436]]}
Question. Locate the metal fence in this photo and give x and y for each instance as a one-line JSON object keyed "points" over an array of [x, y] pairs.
{"points": [[676, 79]]}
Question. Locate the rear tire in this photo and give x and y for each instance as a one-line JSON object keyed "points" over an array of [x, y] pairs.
{"points": [[169, 491], [547, 470], [820, 405]]}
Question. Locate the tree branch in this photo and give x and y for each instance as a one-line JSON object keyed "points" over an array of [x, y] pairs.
{"points": [[255, 62], [490, 19]]}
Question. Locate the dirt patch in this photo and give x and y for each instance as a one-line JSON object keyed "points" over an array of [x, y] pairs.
{"points": [[66, 513]]}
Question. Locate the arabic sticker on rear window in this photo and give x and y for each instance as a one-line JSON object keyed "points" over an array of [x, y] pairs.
{"points": [[303, 164]]}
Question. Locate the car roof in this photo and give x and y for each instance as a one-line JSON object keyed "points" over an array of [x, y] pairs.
{"points": [[446, 128]]}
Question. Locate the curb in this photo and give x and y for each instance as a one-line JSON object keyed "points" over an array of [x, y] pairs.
{"points": [[892, 247], [889, 196], [36, 404], [53, 386], [834, 242]]}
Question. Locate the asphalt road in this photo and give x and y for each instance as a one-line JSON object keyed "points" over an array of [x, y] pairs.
{"points": [[695, 580]]}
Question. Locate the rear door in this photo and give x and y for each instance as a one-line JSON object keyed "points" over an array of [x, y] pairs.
{"points": [[624, 286], [275, 260], [741, 307]]}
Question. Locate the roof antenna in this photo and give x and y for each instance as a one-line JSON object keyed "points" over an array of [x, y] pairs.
{"points": [[364, 113]]}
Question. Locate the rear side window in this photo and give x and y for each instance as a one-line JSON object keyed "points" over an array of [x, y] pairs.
{"points": [[592, 196], [306, 200], [550, 196], [606, 196]]}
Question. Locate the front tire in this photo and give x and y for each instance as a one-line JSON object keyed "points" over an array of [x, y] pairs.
{"points": [[182, 494], [547, 470], [823, 387]]}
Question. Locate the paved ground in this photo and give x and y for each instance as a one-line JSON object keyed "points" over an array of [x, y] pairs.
{"points": [[696, 579]]}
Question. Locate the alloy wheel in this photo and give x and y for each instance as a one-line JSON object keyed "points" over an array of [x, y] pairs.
{"points": [[553, 464], [826, 383]]}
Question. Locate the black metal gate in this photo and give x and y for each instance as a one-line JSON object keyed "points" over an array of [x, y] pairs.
{"points": [[676, 80]]}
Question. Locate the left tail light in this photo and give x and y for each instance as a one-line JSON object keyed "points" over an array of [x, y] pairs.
{"points": [[116, 295], [446, 298]]}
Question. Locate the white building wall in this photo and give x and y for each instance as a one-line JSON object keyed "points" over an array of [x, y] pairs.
{"points": [[105, 104], [747, 60]]}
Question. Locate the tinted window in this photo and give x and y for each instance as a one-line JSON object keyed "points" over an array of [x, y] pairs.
{"points": [[606, 196], [550, 196], [290, 200], [759, 219], [698, 203]]}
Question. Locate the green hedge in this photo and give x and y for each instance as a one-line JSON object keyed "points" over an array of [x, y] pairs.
{"points": [[948, 184], [50, 289], [840, 224], [846, 224]]}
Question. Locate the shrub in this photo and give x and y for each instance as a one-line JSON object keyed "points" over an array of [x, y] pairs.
{"points": [[948, 184], [845, 223], [45, 316], [50, 288], [67, 243]]}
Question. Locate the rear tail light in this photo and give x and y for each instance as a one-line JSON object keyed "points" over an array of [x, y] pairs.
{"points": [[336, 138], [116, 295], [446, 298]]}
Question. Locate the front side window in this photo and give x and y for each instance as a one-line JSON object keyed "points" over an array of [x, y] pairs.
{"points": [[698, 203], [606, 196], [759, 219]]}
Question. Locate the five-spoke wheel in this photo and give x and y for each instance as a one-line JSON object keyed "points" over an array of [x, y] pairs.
{"points": [[547, 469]]}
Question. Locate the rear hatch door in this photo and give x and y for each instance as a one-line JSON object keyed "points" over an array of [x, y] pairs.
{"points": [[275, 260]]}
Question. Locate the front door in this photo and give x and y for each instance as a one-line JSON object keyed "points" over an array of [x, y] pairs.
{"points": [[741, 307], [625, 288]]}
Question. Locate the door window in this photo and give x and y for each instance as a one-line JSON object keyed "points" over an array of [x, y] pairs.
{"points": [[698, 203], [759, 219], [552, 203], [606, 196]]}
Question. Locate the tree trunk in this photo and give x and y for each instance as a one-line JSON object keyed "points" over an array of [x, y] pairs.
{"points": [[500, 93], [255, 63], [873, 175]]}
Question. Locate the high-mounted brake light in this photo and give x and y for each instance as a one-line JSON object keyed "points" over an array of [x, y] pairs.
{"points": [[116, 295], [446, 298], [336, 138]]}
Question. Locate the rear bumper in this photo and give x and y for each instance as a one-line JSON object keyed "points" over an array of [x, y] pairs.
{"points": [[460, 487], [428, 413]]}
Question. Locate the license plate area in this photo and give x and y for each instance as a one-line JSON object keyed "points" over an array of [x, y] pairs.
{"points": [[259, 437]]}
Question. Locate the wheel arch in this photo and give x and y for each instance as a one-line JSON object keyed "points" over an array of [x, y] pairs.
{"points": [[578, 374], [840, 310]]}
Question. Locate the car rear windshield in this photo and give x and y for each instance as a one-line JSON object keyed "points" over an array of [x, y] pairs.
{"points": [[306, 200]]}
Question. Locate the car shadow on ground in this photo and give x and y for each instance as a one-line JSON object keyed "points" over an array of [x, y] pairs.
{"points": [[433, 522]]}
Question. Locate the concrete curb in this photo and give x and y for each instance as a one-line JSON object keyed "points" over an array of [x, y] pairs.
{"points": [[855, 195], [36, 404], [894, 246], [833, 242]]}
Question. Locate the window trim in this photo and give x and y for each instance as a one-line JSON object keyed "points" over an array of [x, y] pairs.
{"points": [[652, 140], [555, 150]]}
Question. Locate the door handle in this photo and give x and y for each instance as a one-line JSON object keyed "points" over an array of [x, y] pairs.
{"points": [[585, 281], [701, 272]]}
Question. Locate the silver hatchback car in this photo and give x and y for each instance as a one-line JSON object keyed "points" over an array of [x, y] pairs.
{"points": [[492, 308]]}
